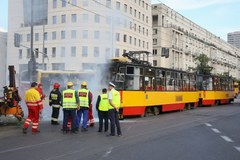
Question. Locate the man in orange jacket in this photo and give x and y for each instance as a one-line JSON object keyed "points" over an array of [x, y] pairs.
{"points": [[34, 104]]}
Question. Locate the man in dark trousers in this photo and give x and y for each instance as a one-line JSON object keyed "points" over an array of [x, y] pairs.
{"points": [[102, 106], [55, 100], [115, 102]]}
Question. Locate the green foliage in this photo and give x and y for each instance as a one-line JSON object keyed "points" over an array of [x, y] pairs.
{"points": [[202, 65]]}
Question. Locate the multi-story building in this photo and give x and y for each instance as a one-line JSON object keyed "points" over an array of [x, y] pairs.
{"points": [[234, 39], [3, 49], [78, 34], [177, 41]]}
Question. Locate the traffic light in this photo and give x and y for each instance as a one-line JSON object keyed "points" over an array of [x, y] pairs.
{"points": [[16, 40]]}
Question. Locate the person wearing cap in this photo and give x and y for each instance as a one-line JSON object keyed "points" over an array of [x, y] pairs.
{"points": [[85, 101], [102, 106], [115, 102], [70, 103], [34, 104], [55, 101]]}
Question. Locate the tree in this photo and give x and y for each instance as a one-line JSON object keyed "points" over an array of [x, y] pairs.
{"points": [[202, 65]]}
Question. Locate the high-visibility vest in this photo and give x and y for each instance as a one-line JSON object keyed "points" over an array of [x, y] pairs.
{"points": [[116, 100], [33, 99], [69, 99], [83, 96], [104, 102]]}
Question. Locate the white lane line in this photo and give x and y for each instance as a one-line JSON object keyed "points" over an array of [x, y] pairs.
{"points": [[215, 130], [227, 139], [29, 146], [208, 124], [237, 148], [108, 152]]}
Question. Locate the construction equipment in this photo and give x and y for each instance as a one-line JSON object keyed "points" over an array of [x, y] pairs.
{"points": [[10, 110]]}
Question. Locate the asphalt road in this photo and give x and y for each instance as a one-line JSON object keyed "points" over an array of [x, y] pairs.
{"points": [[209, 133]]}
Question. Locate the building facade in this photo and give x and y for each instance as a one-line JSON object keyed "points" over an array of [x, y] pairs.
{"points": [[3, 54], [177, 41], [234, 39], [79, 34]]}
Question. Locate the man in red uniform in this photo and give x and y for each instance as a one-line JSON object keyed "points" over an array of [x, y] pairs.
{"points": [[34, 104]]}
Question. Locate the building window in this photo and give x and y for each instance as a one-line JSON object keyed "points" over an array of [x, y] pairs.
{"points": [[154, 51], [143, 17], [84, 51], [85, 18], [154, 41], [63, 34], [139, 15], [139, 43], [147, 19], [107, 53], [63, 18], [96, 51], [21, 38], [147, 45], [154, 62], [124, 38], [143, 44], [108, 3], [85, 34], [96, 35], [117, 36], [135, 13], [45, 52], [58, 66], [36, 52], [130, 10], [130, 39], [118, 5], [28, 37], [117, 51], [74, 2], [147, 32], [135, 41], [36, 36], [74, 18], [20, 53], [54, 35], [54, 19], [139, 29], [63, 3], [28, 53], [54, 3], [85, 3], [45, 36], [53, 51], [143, 30], [97, 18], [62, 51], [135, 27], [154, 31], [73, 51], [139, 2], [125, 8], [73, 34]]}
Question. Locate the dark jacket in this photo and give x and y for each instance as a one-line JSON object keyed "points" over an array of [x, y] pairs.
{"points": [[55, 97]]}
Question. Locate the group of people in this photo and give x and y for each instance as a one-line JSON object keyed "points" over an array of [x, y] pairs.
{"points": [[76, 105]]}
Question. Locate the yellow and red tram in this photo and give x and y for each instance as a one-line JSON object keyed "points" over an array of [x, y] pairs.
{"points": [[145, 89]]}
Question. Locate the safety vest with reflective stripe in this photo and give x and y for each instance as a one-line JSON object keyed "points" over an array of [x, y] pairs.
{"points": [[104, 102], [83, 96], [116, 100], [69, 99], [33, 99]]}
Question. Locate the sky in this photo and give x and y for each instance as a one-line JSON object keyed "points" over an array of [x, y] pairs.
{"points": [[217, 16]]}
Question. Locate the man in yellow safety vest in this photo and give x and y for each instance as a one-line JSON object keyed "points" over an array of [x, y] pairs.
{"points": [[115, 102], [102, 107]]}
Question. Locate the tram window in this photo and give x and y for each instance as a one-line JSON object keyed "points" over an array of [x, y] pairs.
{"points": [[120, 77], [130, 70], [192, 82], [122, 70]]}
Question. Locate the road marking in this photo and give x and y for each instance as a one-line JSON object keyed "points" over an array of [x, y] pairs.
{"points": [[215, 130], [237, 148], [108, 152], [29, 146], [208, 124], [227, 139]]}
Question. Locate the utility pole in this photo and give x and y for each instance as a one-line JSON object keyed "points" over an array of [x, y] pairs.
{"points": [[32, 61]]}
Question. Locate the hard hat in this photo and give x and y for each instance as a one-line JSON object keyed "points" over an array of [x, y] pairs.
{"points": [[70, 84], [111, 84], [39, 84], [84, 83], [56, 85]]}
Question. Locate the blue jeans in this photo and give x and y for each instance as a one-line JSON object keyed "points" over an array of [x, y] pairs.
{"points": [[83, 111], [67, 113]]}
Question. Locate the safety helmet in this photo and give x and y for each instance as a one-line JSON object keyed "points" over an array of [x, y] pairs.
{"points": [[56, 85], [39, 84], [84, 83], [70, 83]]}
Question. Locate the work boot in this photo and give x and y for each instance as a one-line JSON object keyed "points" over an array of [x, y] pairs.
{"points": [[24, 130]]}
